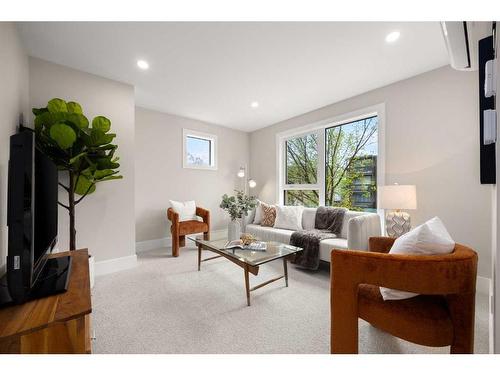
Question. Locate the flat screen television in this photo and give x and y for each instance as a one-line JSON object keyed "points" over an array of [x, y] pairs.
{"points": [[32, 221]]}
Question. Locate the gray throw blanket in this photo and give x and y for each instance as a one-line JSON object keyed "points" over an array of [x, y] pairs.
{"points": [[328, 224], [330, 219]]}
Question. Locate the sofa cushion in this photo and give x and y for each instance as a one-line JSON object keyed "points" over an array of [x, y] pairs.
{"points": [[269, 233], [326, 247], [288, 217], [268, 215], [250, 216], [257, 211], [308, 218]]}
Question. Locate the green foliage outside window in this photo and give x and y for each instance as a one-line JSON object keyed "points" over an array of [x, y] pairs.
{"points": [[350, 168]]}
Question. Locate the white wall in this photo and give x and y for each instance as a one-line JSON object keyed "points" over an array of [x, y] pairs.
{"points": [[105, 219], [432, 141], [14, 102], [161, 177]]}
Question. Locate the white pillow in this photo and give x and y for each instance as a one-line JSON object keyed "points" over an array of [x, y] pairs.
{"points": [[288, 217], [430, 238], [258, 214], [186, 210]]}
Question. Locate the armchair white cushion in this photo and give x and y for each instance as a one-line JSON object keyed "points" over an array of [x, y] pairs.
{"points": [[186, 210], [429, 238]]}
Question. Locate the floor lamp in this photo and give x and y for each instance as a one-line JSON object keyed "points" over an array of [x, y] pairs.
{"points": [[250, 183]]}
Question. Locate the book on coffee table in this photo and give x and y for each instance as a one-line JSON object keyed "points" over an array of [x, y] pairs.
{"points": [[254, 246]]}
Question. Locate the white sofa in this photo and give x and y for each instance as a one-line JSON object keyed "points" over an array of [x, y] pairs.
{"points": [[356, 229]]}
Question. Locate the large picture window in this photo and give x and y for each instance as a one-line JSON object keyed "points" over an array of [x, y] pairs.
{"points": [[334, 165]]}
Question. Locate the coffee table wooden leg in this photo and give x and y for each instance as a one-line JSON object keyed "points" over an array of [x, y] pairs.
{"points": [[247, 287], [199, 257], [285, 269]]}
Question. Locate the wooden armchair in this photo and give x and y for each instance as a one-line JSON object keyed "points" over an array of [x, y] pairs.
{"points": [[443, 315], [179, 229]]}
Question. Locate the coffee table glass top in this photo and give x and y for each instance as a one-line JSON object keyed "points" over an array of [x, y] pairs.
{"points": [[218, 242]]}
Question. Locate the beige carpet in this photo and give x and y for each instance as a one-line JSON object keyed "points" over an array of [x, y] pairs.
{"points": [[165, 305]]}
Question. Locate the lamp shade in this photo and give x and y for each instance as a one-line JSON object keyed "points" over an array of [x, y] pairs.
{"points": [[397, 197]]}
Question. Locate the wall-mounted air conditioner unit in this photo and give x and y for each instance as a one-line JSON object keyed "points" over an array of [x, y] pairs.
{"points": [[461, 41]]}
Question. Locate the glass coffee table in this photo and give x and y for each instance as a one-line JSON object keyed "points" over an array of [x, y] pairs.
{"points": [[246, 259]]}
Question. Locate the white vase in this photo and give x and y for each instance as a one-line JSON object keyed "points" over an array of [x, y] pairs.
{"points": [[233, 230]]}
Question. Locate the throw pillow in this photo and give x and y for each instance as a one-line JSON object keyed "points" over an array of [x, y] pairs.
{"points": [[186, 210], [258, 213], [289, 217], [268, 214], [430, 238]]}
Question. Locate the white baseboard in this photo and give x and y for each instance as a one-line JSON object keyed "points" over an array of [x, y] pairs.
{"points": [[114, 265], [166, 242], [152, 244], [483, 285]]}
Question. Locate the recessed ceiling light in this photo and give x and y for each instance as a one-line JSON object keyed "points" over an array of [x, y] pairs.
{"points": [[392, 37], [254, 104], [142, 64]]}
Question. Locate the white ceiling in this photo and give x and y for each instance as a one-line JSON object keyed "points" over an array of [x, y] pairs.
{"points": [[213, 71]]}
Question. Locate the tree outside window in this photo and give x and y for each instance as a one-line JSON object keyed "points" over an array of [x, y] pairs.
{"points": [[302, 169], [350, 167]]}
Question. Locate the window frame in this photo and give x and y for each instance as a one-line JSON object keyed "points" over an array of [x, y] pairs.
{"points": [[320, 129], [212, 138], [319, 171]]}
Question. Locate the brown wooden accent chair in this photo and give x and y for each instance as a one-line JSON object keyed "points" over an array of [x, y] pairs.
{"points": [[443, 315], [179, 229]]}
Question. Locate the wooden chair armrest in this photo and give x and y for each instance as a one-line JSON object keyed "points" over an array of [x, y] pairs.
{"points": [[424, 274], [204, 214], [380, 244]]}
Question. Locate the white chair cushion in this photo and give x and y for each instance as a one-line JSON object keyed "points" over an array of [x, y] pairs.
{"points": [[430, 238], [288, 217], [186, 210]]}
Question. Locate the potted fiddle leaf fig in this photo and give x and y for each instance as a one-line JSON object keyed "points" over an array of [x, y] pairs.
{"points": [[83, 152]]}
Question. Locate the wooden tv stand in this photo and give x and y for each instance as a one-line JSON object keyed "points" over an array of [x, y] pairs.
{"points": [[54, 324]]}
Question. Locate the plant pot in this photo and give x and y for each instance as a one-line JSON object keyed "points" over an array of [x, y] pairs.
{"points": [[91, 270], [233, 230]]}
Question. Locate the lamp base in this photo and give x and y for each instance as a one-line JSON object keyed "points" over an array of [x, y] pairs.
{"points": [[397, 223]]}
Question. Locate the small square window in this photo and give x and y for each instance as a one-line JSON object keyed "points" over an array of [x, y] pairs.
{"points": [[199, 150]]}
